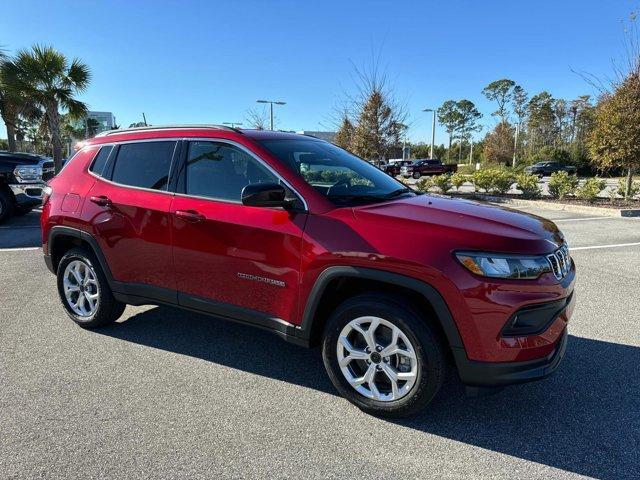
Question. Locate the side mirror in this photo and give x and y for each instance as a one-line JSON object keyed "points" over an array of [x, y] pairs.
{"points": [[263, 195]]}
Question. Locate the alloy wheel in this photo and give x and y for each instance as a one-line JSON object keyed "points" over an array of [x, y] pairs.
{"points": [[377, 358], [81, 288]]}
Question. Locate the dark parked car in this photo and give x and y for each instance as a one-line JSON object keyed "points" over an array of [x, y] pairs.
{"points": [[393, 169], [547, 168], [22, 177], [295, 235], [421, 167]]}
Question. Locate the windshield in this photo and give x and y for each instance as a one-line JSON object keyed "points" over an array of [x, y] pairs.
{"points": [[340, 176]]}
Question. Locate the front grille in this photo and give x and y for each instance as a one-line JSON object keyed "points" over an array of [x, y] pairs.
{"points": [[33, 192], [560, 262], [48, 171]]}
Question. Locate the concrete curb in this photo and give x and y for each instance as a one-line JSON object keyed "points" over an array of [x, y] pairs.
{"points": [[605, 212]]}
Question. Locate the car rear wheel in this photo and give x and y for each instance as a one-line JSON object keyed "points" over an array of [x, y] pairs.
{"points": [[416, 175], [20, 211], [382, 357], [84, 290]]}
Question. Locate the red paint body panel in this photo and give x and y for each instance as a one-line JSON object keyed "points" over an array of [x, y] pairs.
{"points": [[215, 257], [268, 259], [134, 233]]}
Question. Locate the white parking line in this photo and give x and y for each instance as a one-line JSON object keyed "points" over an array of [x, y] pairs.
{"points": [[22, 249], [583, 219], [615, 245]]}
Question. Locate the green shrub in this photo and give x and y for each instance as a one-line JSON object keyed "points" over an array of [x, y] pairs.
{"points": [[482, 179], [457, 180], [443, 182], [424, 184], [501, 180], [622, 187], [466, 169], [590, 189], [562, 184], [528, 184]]}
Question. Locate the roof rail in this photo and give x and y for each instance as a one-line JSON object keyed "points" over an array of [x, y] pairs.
{"points": [[165, 127]]}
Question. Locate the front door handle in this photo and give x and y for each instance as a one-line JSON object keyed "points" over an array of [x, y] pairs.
{"points": [[190, 216], [101, 200]]}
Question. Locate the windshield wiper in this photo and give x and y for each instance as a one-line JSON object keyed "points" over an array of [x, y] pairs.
{"points": [[370, 197], [398, 192], [366, 198]]}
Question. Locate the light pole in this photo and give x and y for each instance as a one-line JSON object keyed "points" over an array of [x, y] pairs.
{"points": [[232, 124], [433, 129], [271, 104], [515, 144]]}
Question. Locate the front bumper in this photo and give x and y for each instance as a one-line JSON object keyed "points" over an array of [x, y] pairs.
{"points": [[488, 374], [27, 194]]}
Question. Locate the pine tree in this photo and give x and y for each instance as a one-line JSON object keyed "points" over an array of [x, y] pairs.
{"points": [[344, 135]]}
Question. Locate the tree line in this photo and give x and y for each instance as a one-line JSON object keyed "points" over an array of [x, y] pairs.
{"points": [[594, 135]]}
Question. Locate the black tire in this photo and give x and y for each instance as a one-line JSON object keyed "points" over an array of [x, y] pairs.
{"points": [[20, 211], [108, 309], [7, 206], [416, 175], [426, 342]]}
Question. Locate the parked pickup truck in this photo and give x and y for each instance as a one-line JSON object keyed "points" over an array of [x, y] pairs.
{"points": [[22, 179], [393, 168], [427, 166], [547, 168]]}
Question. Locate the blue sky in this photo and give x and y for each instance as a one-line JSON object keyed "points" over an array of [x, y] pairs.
{"points": [[207, 62]]}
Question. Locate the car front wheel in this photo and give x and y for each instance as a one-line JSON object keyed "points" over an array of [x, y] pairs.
{"points": [[416, 175], [6, 206], [382, 357]]}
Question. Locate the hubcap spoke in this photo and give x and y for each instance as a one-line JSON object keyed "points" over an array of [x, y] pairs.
{"points": [[81, 288], [390, 371], [70, 287]]}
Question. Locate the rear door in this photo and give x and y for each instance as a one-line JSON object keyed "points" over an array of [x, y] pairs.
{"points": [[128, 208], [228, 255]]}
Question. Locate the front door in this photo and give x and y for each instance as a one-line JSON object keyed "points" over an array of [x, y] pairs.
{"points": [[231, 259]]}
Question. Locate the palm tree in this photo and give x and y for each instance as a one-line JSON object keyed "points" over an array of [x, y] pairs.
{"points": [[14, 105], [7, 105], [50, 81]]}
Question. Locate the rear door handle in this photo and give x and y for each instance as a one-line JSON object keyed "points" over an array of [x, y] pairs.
{"points": [[190, 216], [101, 200]]}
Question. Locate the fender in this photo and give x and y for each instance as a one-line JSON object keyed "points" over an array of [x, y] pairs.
{"points": [[59, 230], [427, 291]]}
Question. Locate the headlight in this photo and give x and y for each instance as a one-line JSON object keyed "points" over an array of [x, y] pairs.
{"points": [[504, 266], [28, 173]]}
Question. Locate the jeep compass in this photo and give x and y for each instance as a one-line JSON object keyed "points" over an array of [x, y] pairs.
{"points": [[296, 236]]}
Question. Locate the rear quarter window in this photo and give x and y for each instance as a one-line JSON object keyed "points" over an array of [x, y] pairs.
{"points": [[99, 162]]}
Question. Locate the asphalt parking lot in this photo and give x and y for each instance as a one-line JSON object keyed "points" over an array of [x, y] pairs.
{"points": [[169, 394]]}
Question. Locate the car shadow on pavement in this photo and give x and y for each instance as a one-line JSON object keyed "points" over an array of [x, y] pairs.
{"points": [[584, 419]]}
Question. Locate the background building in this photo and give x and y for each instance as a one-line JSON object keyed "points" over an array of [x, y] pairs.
{"points": [[103, 120]]}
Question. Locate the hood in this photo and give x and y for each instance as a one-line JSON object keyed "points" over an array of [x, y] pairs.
{"points": [[467, 224], [20, 159]]}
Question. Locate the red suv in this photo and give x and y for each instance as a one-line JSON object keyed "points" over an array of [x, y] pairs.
{"points": [[297, 236]]}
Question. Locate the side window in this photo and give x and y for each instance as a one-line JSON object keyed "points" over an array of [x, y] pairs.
{"points": [[144, 164], [97, 166], [221, 171]]}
